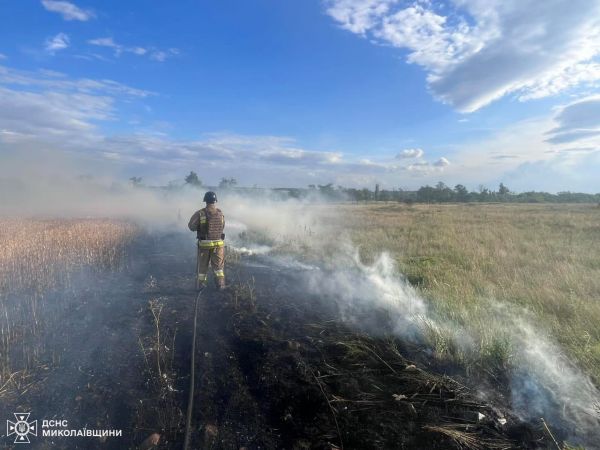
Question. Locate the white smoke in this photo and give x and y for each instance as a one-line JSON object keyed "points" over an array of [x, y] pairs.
{"points": [[357, 285], [544, 381], [547, 384]]}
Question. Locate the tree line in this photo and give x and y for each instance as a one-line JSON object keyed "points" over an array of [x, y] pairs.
{"points": [[440, 193]]}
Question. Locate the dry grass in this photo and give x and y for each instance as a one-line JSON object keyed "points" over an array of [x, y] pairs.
{"points": [[466, 258], [465, 439], [38, 257]]}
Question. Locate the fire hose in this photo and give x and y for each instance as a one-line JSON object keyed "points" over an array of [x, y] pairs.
{"points": [[188, 420]]}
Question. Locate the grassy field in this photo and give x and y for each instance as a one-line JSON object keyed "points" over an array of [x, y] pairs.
{"points": [[468, 259]]}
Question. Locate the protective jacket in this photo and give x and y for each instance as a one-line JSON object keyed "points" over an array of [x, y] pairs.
{"points": [[208, 223]]}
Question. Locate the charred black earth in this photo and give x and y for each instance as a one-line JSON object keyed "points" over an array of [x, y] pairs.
{"points": [[275, 368]]}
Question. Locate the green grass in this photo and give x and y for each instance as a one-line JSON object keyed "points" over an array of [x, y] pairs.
{"points": [[467, 258]]}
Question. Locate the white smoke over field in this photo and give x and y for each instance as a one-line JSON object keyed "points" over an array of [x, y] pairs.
{"points": [[293, 235], [544, 381], [547, 384]]}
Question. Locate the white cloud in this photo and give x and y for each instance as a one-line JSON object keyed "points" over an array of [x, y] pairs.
{"points": [[579, 120], [525, 155], [410, 153], [2, 56], [442, 162], [477, 51], [68, 10], [49, 110], [162, 55], [57, 81], [51, 118], [565, 171], [297, 156], [358, 16], [139, 50], [56, 43], [153, 53], [105, 42], [159, 56]]}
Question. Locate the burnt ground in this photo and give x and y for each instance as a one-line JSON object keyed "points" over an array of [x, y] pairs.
{"points": [[275, 368]]}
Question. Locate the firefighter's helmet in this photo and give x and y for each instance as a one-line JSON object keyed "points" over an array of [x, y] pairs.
{"points": [[210, 197]]}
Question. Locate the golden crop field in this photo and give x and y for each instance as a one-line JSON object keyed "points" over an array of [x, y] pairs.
{"points": [[39, 256], [468, 259]]}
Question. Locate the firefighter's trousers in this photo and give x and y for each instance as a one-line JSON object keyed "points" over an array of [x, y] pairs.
{"points": [[215, 256]]}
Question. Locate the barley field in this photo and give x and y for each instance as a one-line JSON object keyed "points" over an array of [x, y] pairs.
{"points": [[470, 261]]}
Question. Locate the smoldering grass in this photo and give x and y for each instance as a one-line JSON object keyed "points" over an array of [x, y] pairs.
{"points": [[477, 270], [539, 257]]}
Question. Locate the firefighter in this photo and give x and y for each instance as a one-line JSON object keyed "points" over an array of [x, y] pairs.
{"points": [[208, 223]]}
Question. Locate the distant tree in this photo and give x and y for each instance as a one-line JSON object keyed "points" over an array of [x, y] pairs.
{"points": [[385, 196], [462, 194], [426, 194], [443, 193], [327, 190], [484, 194], [360, 195], [136, 181], [503, 190], [227, 183], [193, 180]]}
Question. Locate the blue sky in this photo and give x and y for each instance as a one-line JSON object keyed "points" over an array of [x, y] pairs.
{"points": [[400, 93]]}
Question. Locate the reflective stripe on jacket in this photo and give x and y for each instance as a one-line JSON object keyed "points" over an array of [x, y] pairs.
{"points": [[204, 243]]}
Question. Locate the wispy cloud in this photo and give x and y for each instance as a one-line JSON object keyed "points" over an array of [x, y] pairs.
{"points": [[410, 153], [576, 121], [50, 110], [68, 10], [105, 42], [56, 43], [118, 49], [2, 56], [442, 162], [162, 55], [477, 51], [56, 81]]}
